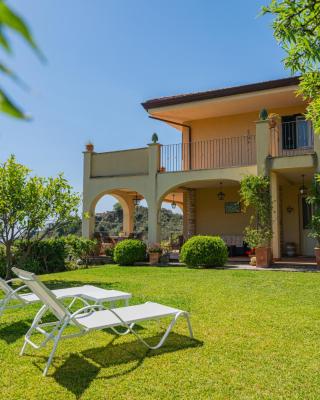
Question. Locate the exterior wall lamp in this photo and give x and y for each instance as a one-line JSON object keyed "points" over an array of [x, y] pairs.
{"points": [[303, 190], [173, 203], [221, 195], [289, 209], [136, 200]]}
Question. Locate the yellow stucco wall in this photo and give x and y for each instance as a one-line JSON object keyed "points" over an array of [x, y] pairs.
{"points": [[231, 125], [211, 217], [117, 163], [290, 222]]}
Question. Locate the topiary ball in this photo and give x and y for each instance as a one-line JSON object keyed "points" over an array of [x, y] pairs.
{"points": [[205, 251], [263, 115], [129, 251]]}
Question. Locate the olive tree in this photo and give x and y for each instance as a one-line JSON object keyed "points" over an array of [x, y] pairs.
{"points": [[32, 207], [296, 27]]}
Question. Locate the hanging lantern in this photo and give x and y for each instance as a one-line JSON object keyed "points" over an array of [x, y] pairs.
{"points": [[173, 203], [303, 190], [221, 195], [136, 200]]}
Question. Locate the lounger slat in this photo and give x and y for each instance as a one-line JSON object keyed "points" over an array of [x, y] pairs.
{"points": [[131, 314]]}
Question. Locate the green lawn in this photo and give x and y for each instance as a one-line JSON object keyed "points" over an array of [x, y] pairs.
{"points": [[258, 337]]}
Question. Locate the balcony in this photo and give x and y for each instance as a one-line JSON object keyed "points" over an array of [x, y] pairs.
{"points": [[292, 138], [216, 153]]}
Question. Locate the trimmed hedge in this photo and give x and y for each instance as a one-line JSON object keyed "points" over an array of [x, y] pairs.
{"points": [[129, 251], [204, 251]]}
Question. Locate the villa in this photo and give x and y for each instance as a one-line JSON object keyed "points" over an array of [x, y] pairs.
{"points": [[223, 138]]}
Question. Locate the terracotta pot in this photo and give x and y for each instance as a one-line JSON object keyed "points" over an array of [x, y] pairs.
{"points": [[263, 257], [317, 254], [253, 261], [154, 258], [89, 147]]}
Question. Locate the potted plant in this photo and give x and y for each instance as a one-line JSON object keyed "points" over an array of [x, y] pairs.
{"points": [[89, 147], [314, 199], [273, 120], [255, 193], [252, 255], [154, 252]]}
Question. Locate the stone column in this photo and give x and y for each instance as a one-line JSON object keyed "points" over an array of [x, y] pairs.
{"points": [[153, 206], [153, 223], [276, 226], [263, 146], [128, 210], [189, 207], [88, 218]]}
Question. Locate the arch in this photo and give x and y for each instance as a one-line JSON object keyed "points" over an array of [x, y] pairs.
{"points": [[195, 183], [170, 181], [126, 199]]}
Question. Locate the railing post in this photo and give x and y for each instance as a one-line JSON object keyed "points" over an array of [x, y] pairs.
{"points": [[263, 145], [154, 158]]}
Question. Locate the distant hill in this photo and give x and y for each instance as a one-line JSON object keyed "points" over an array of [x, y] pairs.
{"points": [[111, 222]]}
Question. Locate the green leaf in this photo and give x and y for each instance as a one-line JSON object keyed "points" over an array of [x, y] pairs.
{"points": [[8, 107], [11, 20], [4, 42], [7, 71]]}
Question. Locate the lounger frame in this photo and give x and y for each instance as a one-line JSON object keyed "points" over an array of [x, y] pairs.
{"points": [[65, 319]]}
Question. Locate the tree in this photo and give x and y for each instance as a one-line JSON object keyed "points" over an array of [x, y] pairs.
{"points": [[297, 29], [10, 21], [32, 208], [255, 194]]}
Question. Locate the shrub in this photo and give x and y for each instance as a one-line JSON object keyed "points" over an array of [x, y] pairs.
{"points": [[206, 251], [80, 248], [129, 251], [109, 252], [41, 257]]}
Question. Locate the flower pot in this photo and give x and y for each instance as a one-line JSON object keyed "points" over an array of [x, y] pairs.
{"points": [[89, 147], [263, 257], [154, 258], [317, 254], [253, 261]]}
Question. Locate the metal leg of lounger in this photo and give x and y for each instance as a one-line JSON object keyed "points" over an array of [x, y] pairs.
{"points": [[37, 318], [55, 345], [164, 337]]}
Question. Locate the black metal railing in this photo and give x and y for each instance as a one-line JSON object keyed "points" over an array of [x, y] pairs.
{"points": [[209, 154], [292, 138]]}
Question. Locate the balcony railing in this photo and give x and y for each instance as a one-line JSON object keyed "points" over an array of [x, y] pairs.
{"points": [[210, 154], [293, 138]]}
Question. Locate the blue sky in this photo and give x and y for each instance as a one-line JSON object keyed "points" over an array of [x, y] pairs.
{"points": [[107, 56]]}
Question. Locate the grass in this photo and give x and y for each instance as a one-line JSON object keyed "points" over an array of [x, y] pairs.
{"points": [[258, 337]]}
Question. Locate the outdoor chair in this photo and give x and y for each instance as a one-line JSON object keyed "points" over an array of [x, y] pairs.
{"points": [[90, 318], [14, 298]]}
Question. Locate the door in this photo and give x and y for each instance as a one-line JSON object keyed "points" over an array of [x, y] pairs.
{"points": [[303, 129], [307, 244]]}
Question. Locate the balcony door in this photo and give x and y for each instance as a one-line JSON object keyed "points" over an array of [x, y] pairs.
{"points": [[296, 132]]}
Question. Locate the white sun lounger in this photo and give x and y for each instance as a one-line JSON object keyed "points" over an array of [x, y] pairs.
{"points": [[14, 298], [88, 318]]}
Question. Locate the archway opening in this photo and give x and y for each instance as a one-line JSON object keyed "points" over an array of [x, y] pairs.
{"points": [[171, 223], [120, 214]]}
